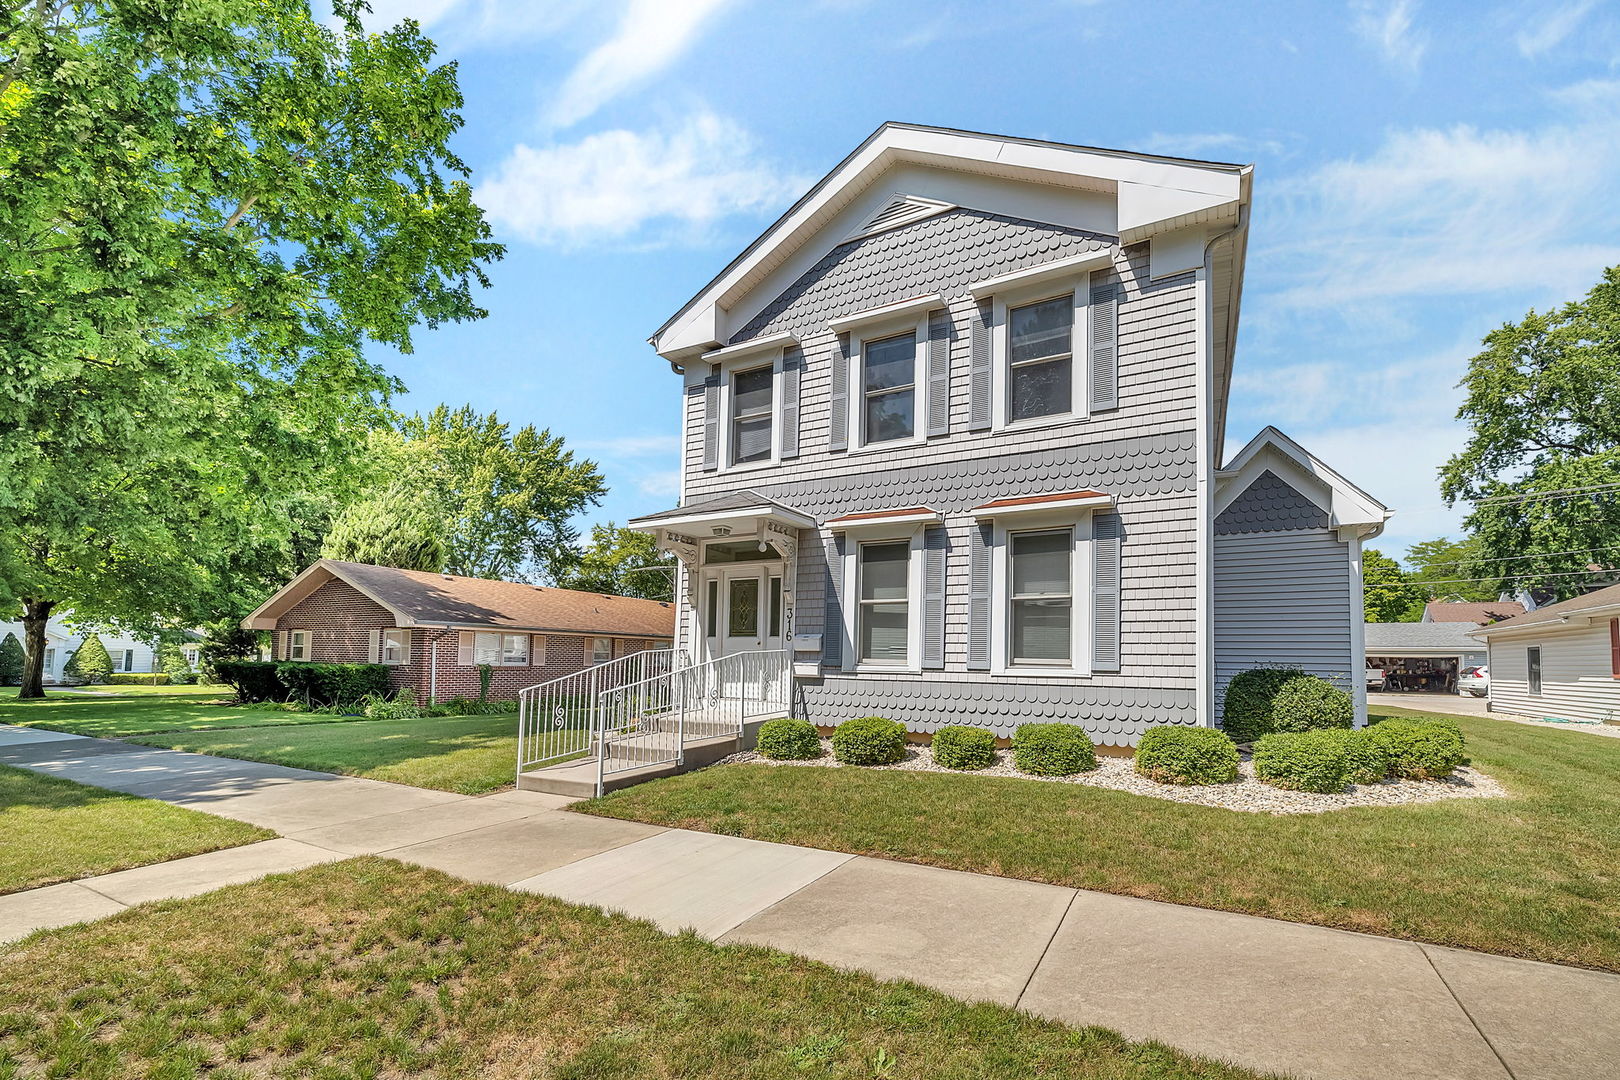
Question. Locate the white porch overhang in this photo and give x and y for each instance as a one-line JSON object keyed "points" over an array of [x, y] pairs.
{"points": [[681, 531]]}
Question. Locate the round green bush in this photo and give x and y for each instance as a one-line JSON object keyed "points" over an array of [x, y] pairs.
{"points": [[1301, 761], [1053, 750], [1246, 710], [1419, 750], [964, 747], [1187, 755], [869, 740], [788, 738], [1364, 760], [1307, 703]]}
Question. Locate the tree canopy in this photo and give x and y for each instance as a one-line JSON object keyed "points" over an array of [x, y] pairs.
{"points": [[1542, 464], [613, 562], [1386, 596]]}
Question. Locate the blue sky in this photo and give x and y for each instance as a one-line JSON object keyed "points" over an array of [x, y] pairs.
{"points": [[1424, 172]]}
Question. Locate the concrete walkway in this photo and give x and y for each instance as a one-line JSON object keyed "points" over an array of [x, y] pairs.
{"points": [[1302, 1000]]}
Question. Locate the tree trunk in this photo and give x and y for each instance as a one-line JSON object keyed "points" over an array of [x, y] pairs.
{"points": [[35, 615]]}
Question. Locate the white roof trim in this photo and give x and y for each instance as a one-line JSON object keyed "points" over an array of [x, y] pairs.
{"points": [[1034, 275], [1580, 619], [1350, 508], [914, 306], [761, 344], [1086, 502], [260, 619], [764, 511]]}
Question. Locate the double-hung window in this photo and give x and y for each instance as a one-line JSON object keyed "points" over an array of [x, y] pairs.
{"points": [[396, 646], [1041, 595], [883, 621], [601, 650], [889, 388], [298, 645], [751, 408], [1040, 359]]}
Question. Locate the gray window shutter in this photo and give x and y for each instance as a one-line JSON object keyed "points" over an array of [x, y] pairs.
{"points": [[792, 364], [979, 601], [838, 405], [1107, 534], [832, 621], [939, 373], [933, 643], [979, 367], [1104, 341], [711, 423]]}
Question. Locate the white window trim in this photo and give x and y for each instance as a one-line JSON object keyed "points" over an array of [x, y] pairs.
{"points": [[914, 597], [500, 637], [1081, 585], [404, 648], [297, 641], [855, 385], [590, 649], [1080, 351], [751, 360]]}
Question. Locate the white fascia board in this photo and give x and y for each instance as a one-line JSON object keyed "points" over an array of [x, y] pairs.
{"points": [[921, 517], [744, 348], [751, 513], [1089, 502], [915, 306], [1351, 505], [1034, 275], [1575, 620]]}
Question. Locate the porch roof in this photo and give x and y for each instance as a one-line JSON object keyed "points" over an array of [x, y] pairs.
{"points": [[736, 508]]}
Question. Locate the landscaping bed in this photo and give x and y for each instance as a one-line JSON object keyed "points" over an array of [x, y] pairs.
{"points": [[1246, 794], [371, 968]]}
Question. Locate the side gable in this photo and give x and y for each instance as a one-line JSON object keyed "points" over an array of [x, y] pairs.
{"points": [[1270, 504], [1349, 510]]}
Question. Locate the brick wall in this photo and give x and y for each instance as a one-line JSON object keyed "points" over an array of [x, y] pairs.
{"points": [[340, 620]]}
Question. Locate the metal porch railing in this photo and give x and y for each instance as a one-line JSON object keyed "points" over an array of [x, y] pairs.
{"points": [[558, 720]]}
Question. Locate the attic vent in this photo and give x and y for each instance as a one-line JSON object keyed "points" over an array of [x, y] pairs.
{"points": [[898, 211]]}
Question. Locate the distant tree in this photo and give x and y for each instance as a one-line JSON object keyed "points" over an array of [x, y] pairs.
{"points": [[1386, 596], [11, 660], [401, 523], [1542, 464], [90, 662], [172, 662], [1441, 568], [621, 562], [226, 640], [210, 208]]}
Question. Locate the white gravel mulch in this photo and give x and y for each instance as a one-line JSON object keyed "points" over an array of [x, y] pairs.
{"points": [[1246, 794]]}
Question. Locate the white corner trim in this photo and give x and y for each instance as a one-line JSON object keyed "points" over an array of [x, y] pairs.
{"points": [[745, 348], [1034, 275], [1089, 502], [913, 306]]}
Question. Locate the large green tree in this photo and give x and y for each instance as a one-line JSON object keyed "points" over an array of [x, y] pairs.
{"points": [[463, 490], [207, 208], [1443, 568], [1386, 594], [619, 561], [1542, 464]]}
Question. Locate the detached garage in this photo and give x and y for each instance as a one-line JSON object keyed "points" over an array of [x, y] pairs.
{"points": [[1561, 661], [1422, 657]]}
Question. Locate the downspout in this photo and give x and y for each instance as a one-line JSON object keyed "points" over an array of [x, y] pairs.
{"points": [[433, 667]]}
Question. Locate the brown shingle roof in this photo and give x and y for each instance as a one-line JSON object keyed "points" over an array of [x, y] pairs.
{"points": [[440, 600], [1479, 614], [1554, 613]]}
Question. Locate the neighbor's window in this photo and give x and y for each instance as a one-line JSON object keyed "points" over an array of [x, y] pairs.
{"points": [[883, 620], [298, 645], [1042, 595], [1532, 657], [396, 646], [1040, 354], [751, 415], [889, 382], [501, 650], [601, 650]]}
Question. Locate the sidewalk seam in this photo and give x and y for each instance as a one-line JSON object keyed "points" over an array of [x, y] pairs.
{"points": [[1437, 974], [1074, 894]]}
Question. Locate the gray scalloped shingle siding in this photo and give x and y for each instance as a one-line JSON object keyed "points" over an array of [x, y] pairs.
{"points": [[1270, 504]]}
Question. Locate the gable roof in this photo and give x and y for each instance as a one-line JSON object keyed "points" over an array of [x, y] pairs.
{"points": [[417, 598], [1446, 637], [1270, 451], [1480, 614], [1578, 610]]}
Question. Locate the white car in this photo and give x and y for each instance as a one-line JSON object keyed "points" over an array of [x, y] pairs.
{"points": [[1376, 678], [1475, 680]]}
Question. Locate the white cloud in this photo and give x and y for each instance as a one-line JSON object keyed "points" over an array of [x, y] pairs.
{"points": [[1388, 25], [667, 482], [1548, 28], [1203, 143], [634, 186], [651, 35]]}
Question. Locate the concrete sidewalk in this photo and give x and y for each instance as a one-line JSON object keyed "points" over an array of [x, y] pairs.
{"points": [[1271, 995]]}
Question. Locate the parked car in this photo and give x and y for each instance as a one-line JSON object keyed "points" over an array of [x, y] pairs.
{"points": [[1377, 678], [1475, 680]]}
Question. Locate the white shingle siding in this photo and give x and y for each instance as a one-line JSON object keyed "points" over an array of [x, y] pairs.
{"points": [[1577, 682]]}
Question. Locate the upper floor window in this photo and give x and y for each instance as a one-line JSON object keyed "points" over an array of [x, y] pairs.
{"points": [[889, 387], [1042, 597], [883, 621], [298, 645], [396, 646], [1040, 358], [751, 409]]}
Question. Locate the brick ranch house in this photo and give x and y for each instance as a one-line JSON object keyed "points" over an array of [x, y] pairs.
{"points": [[434, 630]]}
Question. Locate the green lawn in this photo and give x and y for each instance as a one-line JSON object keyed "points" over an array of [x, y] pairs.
{"points": [[468, 754], [369, 968], [114, 712], [56, 830], [1537, 875]]}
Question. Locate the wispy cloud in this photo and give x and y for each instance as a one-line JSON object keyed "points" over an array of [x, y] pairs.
{"points": [[638, 187], [1204, 143], [665, 482], [1390, 27], [650, 36], [1546, 28]]}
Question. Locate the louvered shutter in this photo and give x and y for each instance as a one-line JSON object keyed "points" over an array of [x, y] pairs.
{"points": [[792, 364], [464, 649], [711, 423], [832, 622], [1104, 341], [933, 644], [979, 367], [939, 373], [979, 600], [285, 638], [374, 648], [1107, 534], [838, 403]]}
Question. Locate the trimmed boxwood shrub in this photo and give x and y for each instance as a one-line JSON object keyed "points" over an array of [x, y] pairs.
{"points": [[1301, 761], [788, 738], [332, 684], [1364, 760], [965, 747], [89, 663], [253, 680], [869, 740], [1307, 703], [1419, 750], [138, 678], [1187, 755], [1053, 750]]}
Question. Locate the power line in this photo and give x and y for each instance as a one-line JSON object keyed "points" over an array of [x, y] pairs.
{"points": [[1475, 580], [1555, 493], [1510, 558]]}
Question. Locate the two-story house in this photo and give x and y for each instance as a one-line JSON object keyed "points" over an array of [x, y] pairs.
{"points": [[954, 438]]}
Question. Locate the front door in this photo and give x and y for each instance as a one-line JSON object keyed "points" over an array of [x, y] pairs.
{"points": [[744, 609]]}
